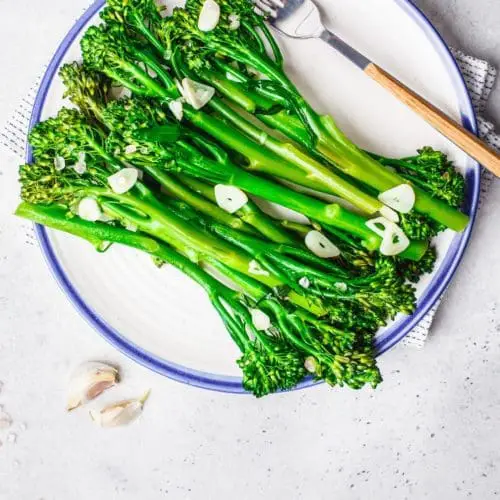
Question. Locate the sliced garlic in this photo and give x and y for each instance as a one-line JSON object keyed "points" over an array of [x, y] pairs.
{"points": [[80, 167], [394, 241], [341, 286], [255, 268], [389, 214], [180, 88], [260, 319], [304, 282], [121, 413], [89, 209], [105, 218], [230, 198], [196, 94], [310, 364], [234, 21], [400, 198], [59, 163], [123, 180], [209, 16], [320, 245], [130, 149], [177, 108], [378, 225], [88, 381]]}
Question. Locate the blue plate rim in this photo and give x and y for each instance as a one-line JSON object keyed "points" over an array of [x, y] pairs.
{"points": [[222, 383]]}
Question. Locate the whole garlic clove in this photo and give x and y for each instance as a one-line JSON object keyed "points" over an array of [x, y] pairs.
{"points": [[90, 380], [121, 413]]}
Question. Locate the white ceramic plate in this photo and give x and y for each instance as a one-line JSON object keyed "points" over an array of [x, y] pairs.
{"points": [[163, 320]]}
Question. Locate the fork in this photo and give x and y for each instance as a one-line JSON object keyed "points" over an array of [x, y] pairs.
{"points": [[302, 19]]}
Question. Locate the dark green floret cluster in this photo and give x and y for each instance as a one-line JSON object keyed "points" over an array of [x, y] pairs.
{"points": [[159, 145]]}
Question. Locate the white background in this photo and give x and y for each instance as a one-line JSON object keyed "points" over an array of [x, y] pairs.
{"points": [[430, 431]]}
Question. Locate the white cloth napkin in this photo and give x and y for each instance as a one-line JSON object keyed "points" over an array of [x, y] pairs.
{"points": [[479, 76]]}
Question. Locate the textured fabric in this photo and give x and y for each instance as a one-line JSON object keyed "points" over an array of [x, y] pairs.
{"points": [[479, 76]]}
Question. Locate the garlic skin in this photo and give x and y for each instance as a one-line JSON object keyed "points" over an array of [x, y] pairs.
{"points": [[88, 381], [121, 413]]}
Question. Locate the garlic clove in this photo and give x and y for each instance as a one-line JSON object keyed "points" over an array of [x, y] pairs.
{"points": [[400, 198], [260, 319], [378, 225], [320, 245], [234, 21], [59, 163], [340, 286], [255, 268], [130, 149], [80, 167], [310, 364], [230, 198], [209, 16], [304, 282], [90, 380], [389, 214], [89, 209], [177, 108], [394, 241], [123, 180], [196, 94], [121, 413]]}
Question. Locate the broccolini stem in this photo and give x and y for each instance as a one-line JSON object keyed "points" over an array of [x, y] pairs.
{"points": [[249, 213], [309, 168]]}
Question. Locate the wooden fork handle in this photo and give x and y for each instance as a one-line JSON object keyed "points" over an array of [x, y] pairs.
{"points": [[464, 139]]}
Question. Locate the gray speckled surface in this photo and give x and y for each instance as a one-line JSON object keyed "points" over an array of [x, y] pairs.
{"points": [[472, 26], [431, 431]]}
